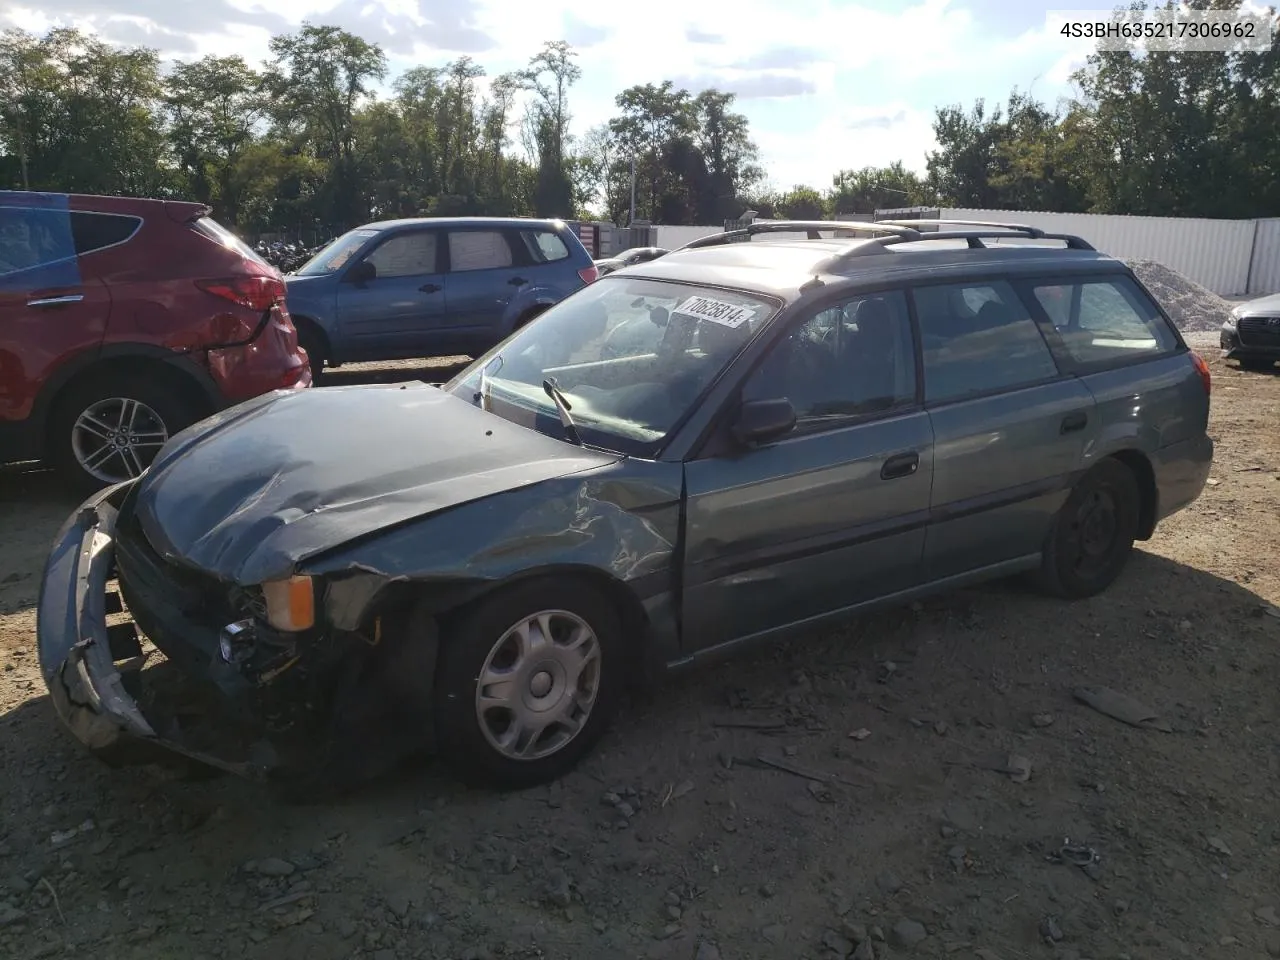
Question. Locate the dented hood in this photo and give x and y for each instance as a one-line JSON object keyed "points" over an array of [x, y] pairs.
{"points": [[250, 493]]}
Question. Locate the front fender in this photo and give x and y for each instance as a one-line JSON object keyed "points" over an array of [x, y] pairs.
{"points": [[620, 521]]}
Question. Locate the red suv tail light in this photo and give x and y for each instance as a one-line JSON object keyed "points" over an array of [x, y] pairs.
{"points": [[257, 293], [1202, 368], [589, 274]]}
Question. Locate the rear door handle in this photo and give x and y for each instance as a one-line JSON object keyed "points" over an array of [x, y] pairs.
{"points": [[1075, 421], [56, 301], [902, 465], [430, 288], [517, 281]]}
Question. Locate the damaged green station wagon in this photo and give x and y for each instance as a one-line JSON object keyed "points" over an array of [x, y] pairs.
{"points": [[735, 441]]}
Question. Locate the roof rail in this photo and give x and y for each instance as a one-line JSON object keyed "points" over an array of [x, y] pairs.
{"points": [[974, 237], [811, 227], [1035, 233]]}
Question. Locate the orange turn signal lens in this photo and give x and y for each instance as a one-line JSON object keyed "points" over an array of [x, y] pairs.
{"points": [[291, 604]]}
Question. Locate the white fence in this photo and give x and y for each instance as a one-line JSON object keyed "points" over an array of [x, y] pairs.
{"points": [[1229, 257], [1264, 267], [672, 237]]}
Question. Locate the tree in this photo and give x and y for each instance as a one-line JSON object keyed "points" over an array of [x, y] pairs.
{"points": [[322, 77], [652, 116], [215, 106], [550, 74], [802, 203], [876, 188], [730, 156]]}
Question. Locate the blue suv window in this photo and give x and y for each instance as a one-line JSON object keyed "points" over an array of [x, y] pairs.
{"points": [[544, 246], [478, 250]]}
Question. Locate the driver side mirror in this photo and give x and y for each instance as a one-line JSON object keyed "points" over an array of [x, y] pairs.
{"points": [[760, 421], [361, 273]]}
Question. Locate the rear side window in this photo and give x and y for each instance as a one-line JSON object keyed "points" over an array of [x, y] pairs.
{"points": [[544, 246], [478, 250], [978, 338], [406, 255], [219, 234], [97, 231], [1100, 321]]}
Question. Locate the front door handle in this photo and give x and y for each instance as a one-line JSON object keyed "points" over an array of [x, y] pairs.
{"points": [[517, 281], [56, 301], [1075, 421], [902, 465], [430, 288]]}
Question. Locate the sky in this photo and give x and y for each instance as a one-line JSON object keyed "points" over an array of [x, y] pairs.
{"points": [[827, 84]]}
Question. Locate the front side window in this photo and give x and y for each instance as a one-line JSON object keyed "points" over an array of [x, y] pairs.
{"points": [[406, 255], [478, 250], [1102, 320], [631, 356], [336, 254], [850, 360], [978, 338]]}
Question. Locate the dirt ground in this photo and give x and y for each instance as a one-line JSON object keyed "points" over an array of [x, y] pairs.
{"points": [[671, 842]]}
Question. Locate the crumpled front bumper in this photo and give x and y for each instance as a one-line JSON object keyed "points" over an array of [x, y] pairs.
{"points": [[75, 645]]}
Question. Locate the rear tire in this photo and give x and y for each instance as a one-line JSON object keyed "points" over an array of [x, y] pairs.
{"points": [[551, 648], [313, 343], [110, 428], [1092, 534]]}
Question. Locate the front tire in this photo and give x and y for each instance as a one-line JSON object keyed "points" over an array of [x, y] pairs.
{"points": [[1092, 534], [527, 681], [110, 429], [1256, 365], [310, 340]]}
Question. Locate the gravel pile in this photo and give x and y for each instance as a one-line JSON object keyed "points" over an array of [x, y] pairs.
{"points": [[1193, 308]]}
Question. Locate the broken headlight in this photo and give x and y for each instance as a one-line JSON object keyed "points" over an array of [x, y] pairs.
{"points": [[291, 604]]}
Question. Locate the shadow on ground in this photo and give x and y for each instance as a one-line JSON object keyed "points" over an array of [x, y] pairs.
{"points": [[672, 835]]}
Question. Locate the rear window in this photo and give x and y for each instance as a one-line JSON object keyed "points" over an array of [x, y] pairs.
{"points": [[544, 246], [1101, 321], [221, 235], [97, 231]]}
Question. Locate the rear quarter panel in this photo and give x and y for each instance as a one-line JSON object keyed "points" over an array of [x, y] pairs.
{"points": [[1161, 409]]}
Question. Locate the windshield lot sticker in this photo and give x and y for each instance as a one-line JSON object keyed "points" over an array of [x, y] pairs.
{"points": [[717, 311]]}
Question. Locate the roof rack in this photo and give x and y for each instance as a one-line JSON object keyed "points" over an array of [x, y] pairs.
{"points": [[991, 230], [811, 227]]}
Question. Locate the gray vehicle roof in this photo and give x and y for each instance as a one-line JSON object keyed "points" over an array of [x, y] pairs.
{"points": [[782, 267]]}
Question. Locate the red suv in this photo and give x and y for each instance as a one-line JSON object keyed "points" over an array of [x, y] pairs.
{"points": [[121, 322]]}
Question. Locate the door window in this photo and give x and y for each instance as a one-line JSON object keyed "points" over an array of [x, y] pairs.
{"points": [[32, 238], [478, 250], [1103, 320], [978, 338], [406, 255], [850, 360], [97, 231]]}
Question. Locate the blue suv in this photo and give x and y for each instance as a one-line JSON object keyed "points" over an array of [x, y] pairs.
{"points": [[431, 287]]}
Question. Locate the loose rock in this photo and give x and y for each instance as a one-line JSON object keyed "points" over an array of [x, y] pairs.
{"points": [[774, 933], [272, 867], [888, 882], [1050, 930], [864, 951], [834, 941], [707, 951], [907, 933], [10, 915], [1042, 720]]}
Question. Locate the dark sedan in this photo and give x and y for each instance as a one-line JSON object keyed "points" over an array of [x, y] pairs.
{"points": [[629, 258]]}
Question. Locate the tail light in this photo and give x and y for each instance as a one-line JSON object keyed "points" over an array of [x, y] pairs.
{"points": [[1202, 368], [589, 274], [258, 293]]}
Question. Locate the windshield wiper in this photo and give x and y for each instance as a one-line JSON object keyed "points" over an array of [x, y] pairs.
{"points": [[552, 390]]}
